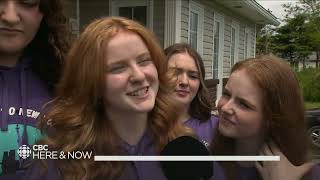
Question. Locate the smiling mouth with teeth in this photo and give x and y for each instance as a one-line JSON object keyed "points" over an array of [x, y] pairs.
{"points": [[140, 92]]}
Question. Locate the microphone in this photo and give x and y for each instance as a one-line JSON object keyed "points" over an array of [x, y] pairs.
{"points": [[186, 170]]}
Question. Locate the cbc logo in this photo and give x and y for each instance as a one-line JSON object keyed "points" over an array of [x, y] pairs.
{"points": [[40, 148], [24, 151]]}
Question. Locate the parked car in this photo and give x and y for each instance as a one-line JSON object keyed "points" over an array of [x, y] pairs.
{"points": [[313, 119]]}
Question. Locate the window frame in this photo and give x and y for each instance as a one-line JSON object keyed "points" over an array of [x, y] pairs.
{"points": [[247, 43], [116, 4], [219, 18], [236, 27], [198, 9]]}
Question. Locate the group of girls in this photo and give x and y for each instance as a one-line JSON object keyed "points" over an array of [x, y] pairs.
{"points": [[120, 93]]}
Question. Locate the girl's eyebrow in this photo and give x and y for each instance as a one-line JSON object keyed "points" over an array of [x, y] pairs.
{"points": [[185, 70], [142, 55], [240, 99]]}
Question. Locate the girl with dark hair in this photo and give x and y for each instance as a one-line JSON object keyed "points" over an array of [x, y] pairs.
{"points": [[186, 68], [112, 100], [261, 111], [33, 43]]}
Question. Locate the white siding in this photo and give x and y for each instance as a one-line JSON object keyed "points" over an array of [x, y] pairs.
{"points": [[241, 42], [253, 40], [208, 41], [184, 20], [227, 45], [210, 10]]}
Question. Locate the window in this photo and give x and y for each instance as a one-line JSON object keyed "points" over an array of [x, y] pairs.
{"points": [[196, 16], [193, 40], [138, 10], [137, 13], [216, 49], [234, 43]]}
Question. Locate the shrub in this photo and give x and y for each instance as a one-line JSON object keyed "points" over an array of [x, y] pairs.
{"points": [[310, 83]]}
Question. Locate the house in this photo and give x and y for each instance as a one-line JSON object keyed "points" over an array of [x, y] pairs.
{"points": [[223, 31], [310, 62]]}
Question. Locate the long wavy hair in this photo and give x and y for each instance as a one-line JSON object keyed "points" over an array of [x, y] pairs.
{"points": [[51, 43], [283, 109], [77, 115], [200, 106]]}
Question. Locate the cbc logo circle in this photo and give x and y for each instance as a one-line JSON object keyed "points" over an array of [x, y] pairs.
{"points": [[24, 151]]}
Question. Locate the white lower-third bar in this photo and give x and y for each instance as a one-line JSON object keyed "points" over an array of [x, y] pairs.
{"points": [[186, 158]]}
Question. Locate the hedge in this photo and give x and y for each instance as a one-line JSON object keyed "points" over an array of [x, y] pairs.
{"points": [[310, 83]]}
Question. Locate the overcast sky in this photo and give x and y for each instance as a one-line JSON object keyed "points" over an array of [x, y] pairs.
{"points": [[275, 6]]}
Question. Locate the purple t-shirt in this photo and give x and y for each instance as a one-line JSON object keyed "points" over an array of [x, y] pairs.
{"points": [[142, 170], [22, 96], [139, 170], [251, 173], [204, 130], [243, 173]]}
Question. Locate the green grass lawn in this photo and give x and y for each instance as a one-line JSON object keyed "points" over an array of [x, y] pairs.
{"points": [[312, 105]]}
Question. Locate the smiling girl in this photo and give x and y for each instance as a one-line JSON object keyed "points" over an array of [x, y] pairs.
{"points": [[261, 112], [112, 100], [190, 93]]}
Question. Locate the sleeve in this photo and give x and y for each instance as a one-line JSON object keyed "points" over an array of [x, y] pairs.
{"points": [[314, 173], [38, 171]]}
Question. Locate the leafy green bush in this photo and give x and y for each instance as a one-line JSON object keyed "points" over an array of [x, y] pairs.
{"points": [[310, 83]]}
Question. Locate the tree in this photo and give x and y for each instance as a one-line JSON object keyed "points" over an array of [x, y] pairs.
{"points": [[310, 9], [302, 7], [313, 35], [290, 42], [298, 37], [264, 40]]}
